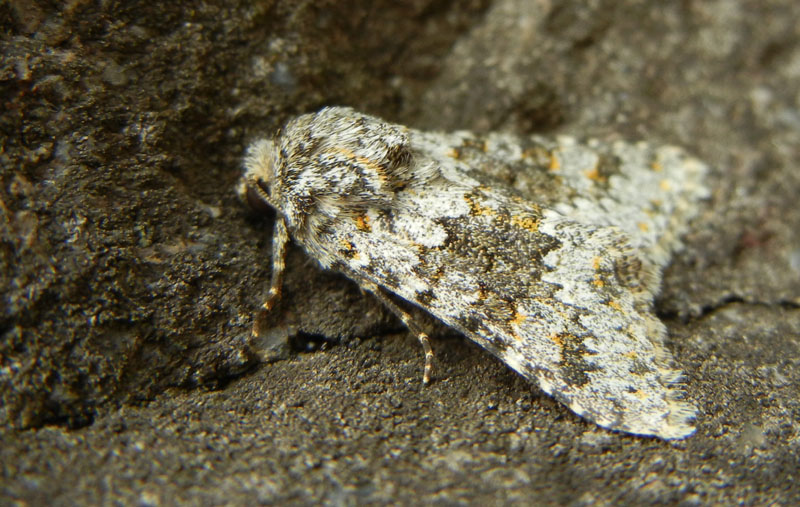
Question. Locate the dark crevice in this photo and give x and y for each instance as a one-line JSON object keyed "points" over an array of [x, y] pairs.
{"points": [[732, 299]]}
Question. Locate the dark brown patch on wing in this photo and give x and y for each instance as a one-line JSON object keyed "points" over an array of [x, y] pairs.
{"points": [[574, 367]]}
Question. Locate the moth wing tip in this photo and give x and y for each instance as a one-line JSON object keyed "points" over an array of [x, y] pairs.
{"points": [[679, 423], [676, 424]]}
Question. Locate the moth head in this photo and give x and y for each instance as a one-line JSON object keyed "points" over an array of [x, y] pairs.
{"points": [[257, 185]]}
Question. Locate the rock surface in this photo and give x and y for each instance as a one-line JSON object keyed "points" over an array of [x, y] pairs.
{"points": [[129, 270]]}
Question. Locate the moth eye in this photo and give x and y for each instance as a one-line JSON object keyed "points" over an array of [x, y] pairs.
{"points": [[263, 187], [255, 197]]}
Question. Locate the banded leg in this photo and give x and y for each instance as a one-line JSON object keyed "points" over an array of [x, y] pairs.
{"points": [[280, 239], [410, 324]]}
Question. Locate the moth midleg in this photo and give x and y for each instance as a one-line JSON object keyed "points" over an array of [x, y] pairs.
{"points": [[408, 320], [280, 238]]}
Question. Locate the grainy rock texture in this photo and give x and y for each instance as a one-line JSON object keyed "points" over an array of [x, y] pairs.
{"points": [[129, 270]]}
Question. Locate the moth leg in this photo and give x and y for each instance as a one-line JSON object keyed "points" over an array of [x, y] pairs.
{"points": [[410, 324], [280, 238]]}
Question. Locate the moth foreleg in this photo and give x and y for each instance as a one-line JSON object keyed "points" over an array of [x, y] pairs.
{"points": [[280, 238], [408, 320]]}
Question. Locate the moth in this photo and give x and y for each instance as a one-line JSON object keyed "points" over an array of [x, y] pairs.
{"points": [[546, 252]]}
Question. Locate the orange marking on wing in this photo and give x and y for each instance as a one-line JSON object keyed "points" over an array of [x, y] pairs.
{"points": [[525, 222], [477, 209], [555, 165], [364, 161], [594, 174], [557, 340], [362, 223]]}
